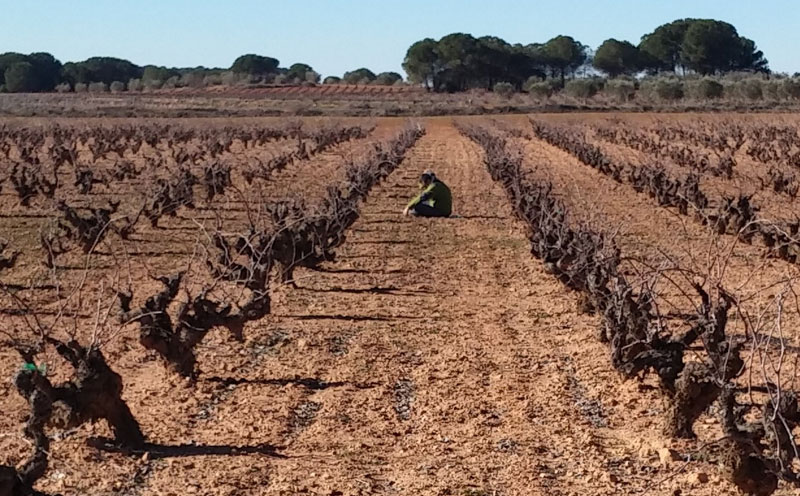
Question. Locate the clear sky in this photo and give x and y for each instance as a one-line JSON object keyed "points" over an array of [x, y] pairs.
{"points": [[338, 35]]}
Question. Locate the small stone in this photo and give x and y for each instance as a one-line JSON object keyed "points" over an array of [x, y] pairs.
{"points": [[698, 478], [667, 456]]}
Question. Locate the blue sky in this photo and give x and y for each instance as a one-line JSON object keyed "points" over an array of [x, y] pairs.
{"points": [[335, 36]]}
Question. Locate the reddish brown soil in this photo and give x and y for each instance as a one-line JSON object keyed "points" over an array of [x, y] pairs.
{"points": [[434, 357]]}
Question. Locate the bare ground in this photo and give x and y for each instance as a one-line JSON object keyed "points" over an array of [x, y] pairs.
{"points": [[435, 357]]}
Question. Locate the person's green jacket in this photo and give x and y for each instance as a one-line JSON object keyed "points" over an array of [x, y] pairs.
{"points": [[436, 195]]}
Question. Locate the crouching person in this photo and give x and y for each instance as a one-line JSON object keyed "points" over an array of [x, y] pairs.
{"points": [[434, 200]]}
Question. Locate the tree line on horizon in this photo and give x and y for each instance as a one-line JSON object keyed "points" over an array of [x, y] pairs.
{"points": [[459, 61], [456, 62], [42, 72]]}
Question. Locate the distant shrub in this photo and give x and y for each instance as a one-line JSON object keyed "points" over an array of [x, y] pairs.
{"points": [[772, 89], [81, 87], [154, 84], [736, 76], [664, 89], [332, 80], [312, 77], [135, 85], [705, 89], [192, 80], [539, 88], [98, 87], [281, 79], [387, 78], [790, 88], [669, 90], [63, 88], [212, 80], [750, 89], [582, 88], [117, 87], [229, 78], [504, 89], [621, 90], [359, 76], [172, 83]]}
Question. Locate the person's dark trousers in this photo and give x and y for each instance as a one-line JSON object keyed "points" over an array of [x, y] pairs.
{"points": [[423, 210]]}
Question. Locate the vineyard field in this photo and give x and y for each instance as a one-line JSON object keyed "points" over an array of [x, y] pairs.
{"points": [[238, 306]]}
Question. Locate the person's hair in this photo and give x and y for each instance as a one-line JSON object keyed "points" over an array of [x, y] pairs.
{"points": [[427, 177]]}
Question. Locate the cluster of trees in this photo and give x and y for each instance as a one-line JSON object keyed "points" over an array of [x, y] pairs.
{"points": [[460, 61], [703, 46], [34, 72], [42, 72], [268, 69], [365, 76]]}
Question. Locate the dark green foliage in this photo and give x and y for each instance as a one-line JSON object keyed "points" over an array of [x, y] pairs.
{"points": [[459, 61], [458, 58], [332, 80], [421, 62], [154, 73], [298, 71], [750, 58], [21, 78], [662, 47], [388, 78], [256, 65], [563, 55], [706, 46], [47, 69], [359, 76], [711, 46], [101, 70], [616, 57], [44, 75], [7, 60]]}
